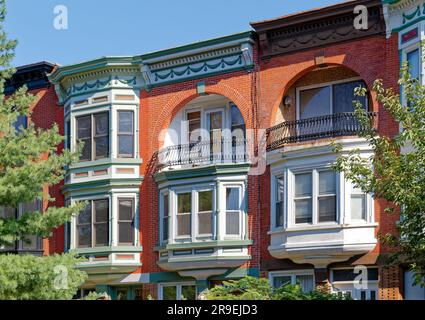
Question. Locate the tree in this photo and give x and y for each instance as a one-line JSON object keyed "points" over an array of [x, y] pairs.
{"points": [[251, 288], [396, 171], [29, 164]]}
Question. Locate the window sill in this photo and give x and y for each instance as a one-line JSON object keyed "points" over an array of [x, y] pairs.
{"points": [[204, 244]]}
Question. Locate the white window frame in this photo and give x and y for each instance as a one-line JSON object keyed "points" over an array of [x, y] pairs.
{"points": [[162, 195], [293, 274], [116, 136], [195, 236], [178, 286], [314, 196], [242, 211]]}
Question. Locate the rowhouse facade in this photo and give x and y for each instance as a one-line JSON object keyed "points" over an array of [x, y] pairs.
{"points": [[213, 161]]}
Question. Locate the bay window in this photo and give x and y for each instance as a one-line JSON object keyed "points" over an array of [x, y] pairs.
{"points": [[93, 224], [125, 221], [125, 134], [93, 130], [315, 197]]}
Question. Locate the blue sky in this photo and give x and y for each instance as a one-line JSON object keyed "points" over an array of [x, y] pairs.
{"points": [[127, 27]]}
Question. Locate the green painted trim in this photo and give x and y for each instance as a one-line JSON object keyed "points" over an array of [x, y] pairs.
{"points": [[156, 277], [102, 184], [202, 76], [107, 161], [193, 258], [86, 66], [197, 45], [206, 244], [208, 170], [108, 249], [396, 30], [238, 273]]}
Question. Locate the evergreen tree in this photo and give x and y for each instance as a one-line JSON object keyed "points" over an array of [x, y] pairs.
{"points": [[29, 164]]}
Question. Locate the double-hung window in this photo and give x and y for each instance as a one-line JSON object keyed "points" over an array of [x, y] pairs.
{"points": [[125, 134], [165, 217], [358, 204], [125, 221], [205, 212], [93, 130], [93, 224], [315, 197], [184, 214], [233, 211]]}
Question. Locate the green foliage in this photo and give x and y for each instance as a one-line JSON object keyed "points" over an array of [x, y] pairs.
{"points": [[43, 278], [29, 164], [97, 296], [398, 177], [251, 288]]}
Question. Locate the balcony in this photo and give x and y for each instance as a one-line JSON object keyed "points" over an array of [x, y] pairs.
{"points": [[334, 125], [203, 153]]}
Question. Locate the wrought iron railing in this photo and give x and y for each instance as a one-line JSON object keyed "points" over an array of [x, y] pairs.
{"points": [[334, 125], [204, 152]]}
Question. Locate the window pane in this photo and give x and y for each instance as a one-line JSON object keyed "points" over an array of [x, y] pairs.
{"points": [[315, 102], [30, 243], [122, 294], [126, 145], [194, 119], [306, 282], [101, 124], [205, 223], [327, 182], [169, 293], [183, 225], [31, 206], [86, 152], [279, 214], [125, 232], [303, 211], [84, 236], [84, 127], [280, 189], [232, 199], [303, 185], [327, 209], [414, 63], [358, 207], [101, 210], [102, 147], [237, 118], [232, 223], [189, 292], [126, 209], [281, 281], [344, 96], [165, 205], [205, 200], [85, 214], [165, 212], [101, 234], [7, 213], [184, 202], [165, 233], [215, 120], [125, 121]]}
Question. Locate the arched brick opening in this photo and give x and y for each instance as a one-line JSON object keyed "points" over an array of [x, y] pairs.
{"points": [[183, 97], [294, 73]]}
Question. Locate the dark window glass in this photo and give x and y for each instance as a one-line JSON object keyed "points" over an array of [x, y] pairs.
{"points": [[101, 214], [344, 96], [125, 221], [189, 292], [184, 209], [413, 61], [84, 225], [21, 123], [84, 135], [232, 211], [165, 218], [101, 135], [205, 199], [349, 275], [125, 134]]}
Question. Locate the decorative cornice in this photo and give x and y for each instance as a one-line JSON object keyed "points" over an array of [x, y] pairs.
{"points": [[317, 28], [400, 15]]}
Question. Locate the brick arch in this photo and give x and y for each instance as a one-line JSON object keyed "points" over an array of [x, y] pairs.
{"points": [[348, 61], [186, 94]]}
